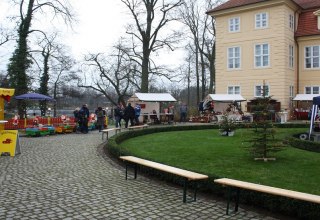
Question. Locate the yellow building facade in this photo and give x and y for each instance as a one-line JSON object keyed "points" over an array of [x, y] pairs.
{"points": [[257, 43]]}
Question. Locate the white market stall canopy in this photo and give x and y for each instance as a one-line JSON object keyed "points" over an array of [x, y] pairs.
{"points": [[154, 97], [226, 97], [304, 97]]}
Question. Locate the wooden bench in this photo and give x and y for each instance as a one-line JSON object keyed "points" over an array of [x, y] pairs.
{"points": [[237, 185], [187, 175], [106, 131], [138, 126]]}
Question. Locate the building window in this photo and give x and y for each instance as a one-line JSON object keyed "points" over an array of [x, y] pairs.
{"points": [[233, 90], [312, 90], [312, 57], [262, 20], [234, 57], [291, 56], [291, 91], [261, 55], [259, 90], [234, 24], [291, 21]]}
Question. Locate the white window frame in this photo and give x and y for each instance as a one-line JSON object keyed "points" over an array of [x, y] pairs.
{"points": [[260, 22], [312, 89], [291, 56], [312, 57], [234, 24], [291, 21], [233, 88], [291, 91], [261, 89], [232, 56], [262, 55]]}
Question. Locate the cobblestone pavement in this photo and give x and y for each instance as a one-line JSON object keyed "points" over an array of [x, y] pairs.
{"points": [[69, 177]]}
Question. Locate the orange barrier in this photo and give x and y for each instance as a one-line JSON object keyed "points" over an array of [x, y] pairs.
{"points": [[14, 124]]}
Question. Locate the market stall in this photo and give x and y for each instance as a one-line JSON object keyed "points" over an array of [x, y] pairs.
{"points": [[303, 105], [151, 105], [222, 103]]}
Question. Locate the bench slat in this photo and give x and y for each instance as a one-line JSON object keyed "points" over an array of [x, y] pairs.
{"points": [[269, 189], [138, 126], [177, 171]]}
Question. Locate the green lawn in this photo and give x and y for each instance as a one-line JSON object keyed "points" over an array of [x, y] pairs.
{"points": [[205, 151]]}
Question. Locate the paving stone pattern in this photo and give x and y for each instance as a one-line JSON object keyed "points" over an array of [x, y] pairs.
{"points": [[69, 177]]}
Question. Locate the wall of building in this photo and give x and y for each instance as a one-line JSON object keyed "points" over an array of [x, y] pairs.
{"points": [[278, 35]]}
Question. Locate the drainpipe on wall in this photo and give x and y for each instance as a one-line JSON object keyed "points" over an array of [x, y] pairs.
{"points": [[298, 56]]}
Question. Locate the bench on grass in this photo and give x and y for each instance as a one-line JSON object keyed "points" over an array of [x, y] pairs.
{"points": [[237, 185], [106, 131], [187, 175], [138, 126]]}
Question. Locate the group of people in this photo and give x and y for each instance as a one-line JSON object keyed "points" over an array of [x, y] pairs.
{"points": [[82, 116], [127, 113]]}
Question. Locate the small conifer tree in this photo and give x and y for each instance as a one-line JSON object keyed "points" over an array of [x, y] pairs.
{"points": [[263, 140]]}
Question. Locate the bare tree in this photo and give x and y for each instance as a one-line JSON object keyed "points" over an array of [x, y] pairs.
{"points": [[20, 61], [150, 18], [110, 75], [62, 74], [5, 36], [202, 29]]}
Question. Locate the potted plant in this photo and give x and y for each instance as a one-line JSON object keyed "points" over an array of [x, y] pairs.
{"points": [[227, 126]]}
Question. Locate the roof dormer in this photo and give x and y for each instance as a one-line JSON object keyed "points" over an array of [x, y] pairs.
{"points": [[317, 13]]}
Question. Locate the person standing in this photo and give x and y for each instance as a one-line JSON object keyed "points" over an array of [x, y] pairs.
{"points": [[129, 114], [118, 114], [137, 111], [100, 118], [84, 118], [183, 112]]}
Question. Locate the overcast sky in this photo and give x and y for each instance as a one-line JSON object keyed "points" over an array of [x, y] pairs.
{"points": [[100, 25]]}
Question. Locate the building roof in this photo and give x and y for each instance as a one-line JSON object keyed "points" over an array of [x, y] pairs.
{"points": [[226, 97], [307, 4], [304, 4], [154, 97], [308, 24]]}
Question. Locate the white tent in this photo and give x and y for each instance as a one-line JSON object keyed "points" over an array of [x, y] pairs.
{"points": [[304, 97], [150, 102], [154, 97], [226, 97], [222, 101]]}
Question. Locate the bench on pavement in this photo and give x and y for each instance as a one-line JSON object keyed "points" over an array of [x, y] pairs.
{"points": [[187, 175], [237, 185], [106, 131], [138, 126]]}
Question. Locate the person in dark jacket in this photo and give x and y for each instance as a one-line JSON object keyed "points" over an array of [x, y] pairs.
{"points": [[84, 118], [129, 114], [118, 114]]}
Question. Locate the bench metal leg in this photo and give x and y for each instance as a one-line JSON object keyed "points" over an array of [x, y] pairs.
{"points": [[229, 195], [126, 171], [185, 186], [237, 200], [135, 170], [185, 190], [228, 200]]}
